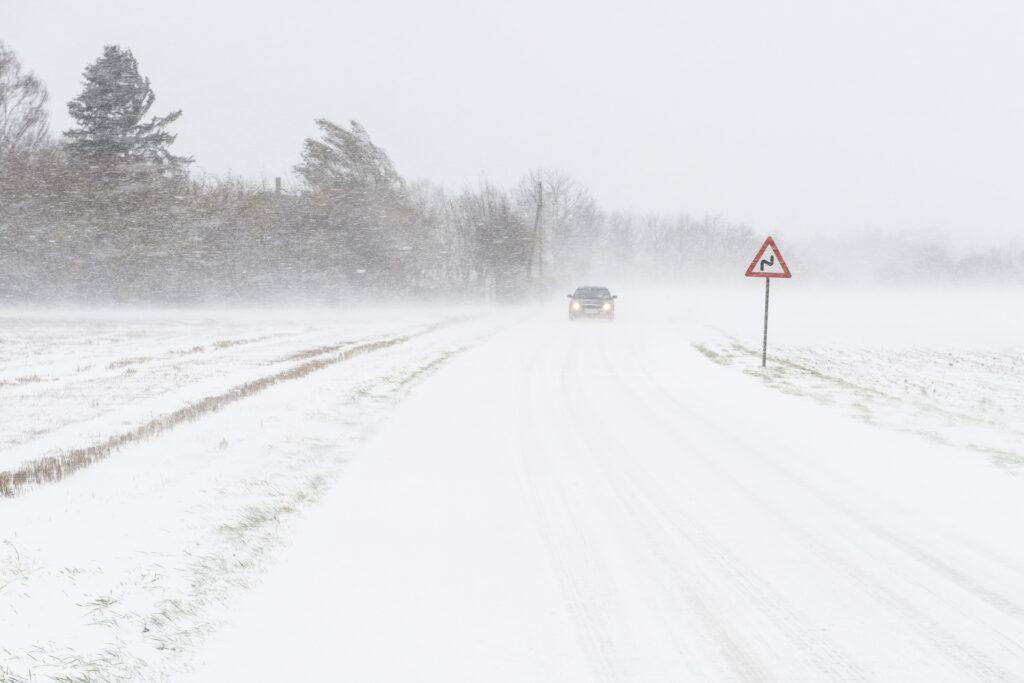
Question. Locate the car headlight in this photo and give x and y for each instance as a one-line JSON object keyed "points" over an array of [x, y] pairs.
{"points": [[607, 306], [576, 305]]}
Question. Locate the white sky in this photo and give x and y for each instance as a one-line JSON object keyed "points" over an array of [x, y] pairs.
{"points": [[799, 117]]}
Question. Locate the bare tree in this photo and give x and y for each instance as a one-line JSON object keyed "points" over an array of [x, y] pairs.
{"points": [[567, 223], [24, 123]]}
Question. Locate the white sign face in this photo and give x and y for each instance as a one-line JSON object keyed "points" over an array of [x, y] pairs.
{"points": [[768, 262]]}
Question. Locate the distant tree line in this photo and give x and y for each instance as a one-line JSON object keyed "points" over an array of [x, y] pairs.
{"points": [[105, 212]]}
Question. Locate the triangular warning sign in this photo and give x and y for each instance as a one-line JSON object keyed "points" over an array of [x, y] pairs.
{"points": [[768, 262]]}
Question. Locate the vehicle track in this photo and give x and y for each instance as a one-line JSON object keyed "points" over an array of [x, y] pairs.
{"points": [[565, 541], [689, 538], [968, 657]]}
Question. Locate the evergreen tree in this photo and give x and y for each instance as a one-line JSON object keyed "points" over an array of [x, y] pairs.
{"points": [[111, 132], [362, 216], [346, 159]]}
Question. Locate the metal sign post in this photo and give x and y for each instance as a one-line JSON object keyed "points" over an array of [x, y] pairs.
{"points": [[768, 263], [764, 340]]}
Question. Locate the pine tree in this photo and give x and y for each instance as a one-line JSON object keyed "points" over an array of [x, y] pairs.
{"points": [[111, 134], [346, 159], [362, 209]]}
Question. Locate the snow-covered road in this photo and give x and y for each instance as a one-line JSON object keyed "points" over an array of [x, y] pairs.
{"points": [[602, 502]]}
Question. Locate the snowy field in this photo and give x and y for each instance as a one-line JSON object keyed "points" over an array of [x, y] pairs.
{"points": [[116, 570], [71, 379], [502, 495], [948, 366]]}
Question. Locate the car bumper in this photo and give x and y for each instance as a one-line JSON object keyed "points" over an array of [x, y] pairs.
{"points": [[592, 313]]}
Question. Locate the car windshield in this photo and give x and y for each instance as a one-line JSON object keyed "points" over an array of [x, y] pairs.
{"points": [[593, 293]]}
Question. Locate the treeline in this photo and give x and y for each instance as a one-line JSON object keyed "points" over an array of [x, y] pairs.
{"points": [[106, 212], [909, 258]]}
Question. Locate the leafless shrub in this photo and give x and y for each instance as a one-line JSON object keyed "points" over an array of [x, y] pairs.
{"points": [[125, 362], [316, 351], [24, 123], [228, 343], [188, 352], [17, 381]]}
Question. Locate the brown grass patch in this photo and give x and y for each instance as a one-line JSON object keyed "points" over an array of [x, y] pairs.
{"points": [[315, 351], [57, 467], [125, 362], [18, 381]]}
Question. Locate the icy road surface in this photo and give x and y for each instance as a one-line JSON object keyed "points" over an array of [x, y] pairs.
{"points": [[603, 502]]}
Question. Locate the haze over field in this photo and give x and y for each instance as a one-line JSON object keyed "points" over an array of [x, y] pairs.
{"points": [[291, 387], [802, 118]]}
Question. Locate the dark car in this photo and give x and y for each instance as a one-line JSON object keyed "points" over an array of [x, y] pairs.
{"points": [[592, 302]]}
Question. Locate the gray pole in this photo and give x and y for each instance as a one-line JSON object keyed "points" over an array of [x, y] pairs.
{"points": [[539, 232], [764, 341], [535, 239]]}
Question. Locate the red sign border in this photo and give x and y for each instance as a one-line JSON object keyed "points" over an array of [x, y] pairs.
{"points": [[760, 252]]}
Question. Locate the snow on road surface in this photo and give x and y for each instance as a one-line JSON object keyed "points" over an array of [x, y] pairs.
{"points": [[603, 502], [545, 501]]}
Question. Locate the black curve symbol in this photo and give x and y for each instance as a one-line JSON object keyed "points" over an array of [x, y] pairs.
{"points": [[770, 261]]}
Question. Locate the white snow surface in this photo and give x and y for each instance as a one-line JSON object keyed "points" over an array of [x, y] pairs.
{"points": [[508, 496], [118, 571]]}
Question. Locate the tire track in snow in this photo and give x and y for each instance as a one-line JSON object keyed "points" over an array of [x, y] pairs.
{"points": [[681, 590], [689, 537], [580, 558], [979, 359], [566, 543], [948, 644], [907, 547]]}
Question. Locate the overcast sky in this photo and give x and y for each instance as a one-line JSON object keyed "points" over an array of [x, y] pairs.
{"points": [[798, 117]]}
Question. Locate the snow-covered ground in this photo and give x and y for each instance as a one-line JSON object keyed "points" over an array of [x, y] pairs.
{"points": [[121, 568], [70, 379], [948, 366], [545, 500]]}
